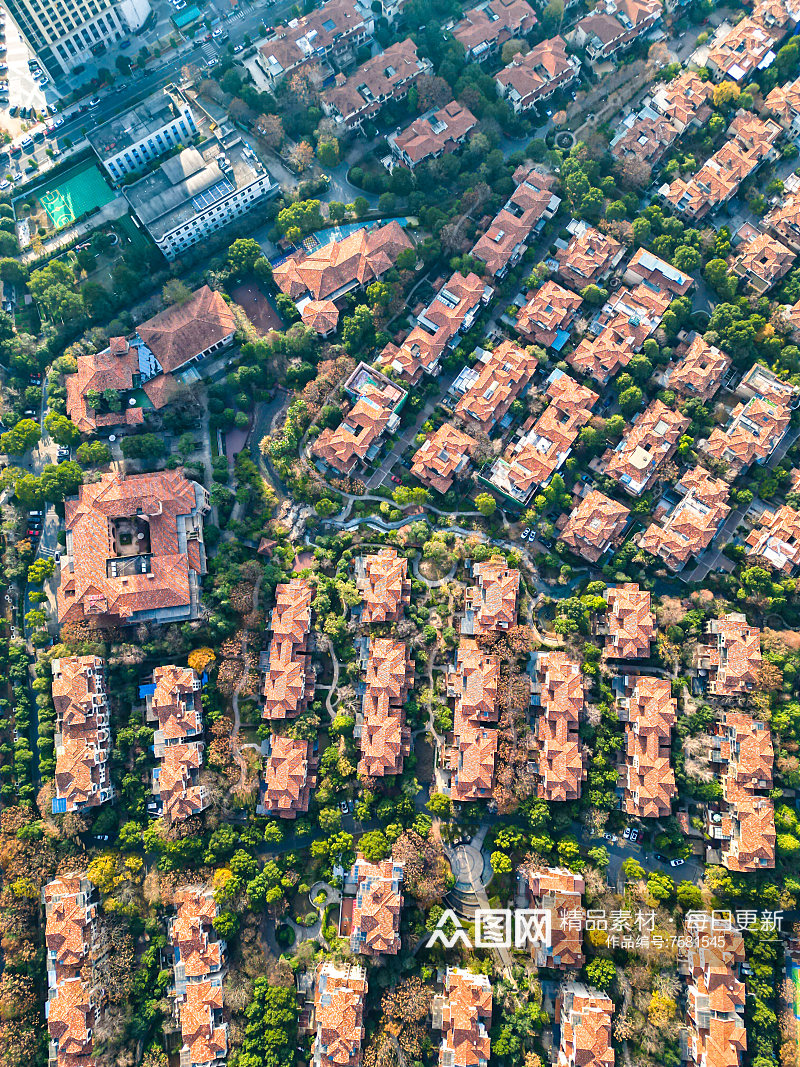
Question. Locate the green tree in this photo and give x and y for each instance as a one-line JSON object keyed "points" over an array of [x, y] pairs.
{"points": [[501, 863], [374, 846], [243, 254], [143, 446], [328, 151], [61, 429], [486, 504], [601, 973], [440, 804], [20, 438], [93, 454], [270, 1030]]}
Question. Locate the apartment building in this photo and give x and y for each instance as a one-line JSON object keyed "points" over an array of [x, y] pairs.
{"points": [[761, 261], [699, 371], [82, 739], [560, 892], [134, 550], [649, 443], [463, 1012], [685, 101], [558, 694], [388, 77], [160, 123], [288, 780], [372, 917], [382, 579], [437, 132], [745, 826], [376, 403], [629, 622], [584, 1016], [504, 376], [524, 214], [589, 258], [730, 659], [328, 273], [757, 425], [471, 750], [595, 526], [614, 26], [715, 997], [199, 191], [339, 1014], [74, 996], [330, 32], [546, 317], [543, 447], [775, 540], [681, 534], [67, 34], [384, 738], [288, 675], [492, 603], [199, 959], [443, 458], [438, 328], [175, 706], [486, 28], [649, 711], [535, 75]]}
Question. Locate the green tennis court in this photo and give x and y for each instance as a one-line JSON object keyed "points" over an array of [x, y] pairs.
{"points": [[77, 195]]}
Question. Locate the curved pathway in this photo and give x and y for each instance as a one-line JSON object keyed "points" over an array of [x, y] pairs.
{"points": [[334, 683]]}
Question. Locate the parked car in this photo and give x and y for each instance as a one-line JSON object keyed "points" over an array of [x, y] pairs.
{"points": [[660, 858], [343, 807], [676, 863], [94, 101], [634, 835], [627, 833]]}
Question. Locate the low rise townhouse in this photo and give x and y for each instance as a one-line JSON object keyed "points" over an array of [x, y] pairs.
{"points": [[503, 378], [288, 675], [559, 892], [470, 752], [761, 261], [443, 458], [288, 779], [558, 694], [784, 220], [595, 526], [685, 101], [463, 1012], [492, 603], [535, 75], [309, 43], [485, 28], [175, 706], [699, 371], [339, 995], [715, 997], [746, 48], [729, 660], [629, 623], [371, 918], [546, 317], [383, 736], [385, 587], [614, 26], [524, 214], [589, 258], [584, 1017], [82, 739], [784, 103], [645, 136], [645, 268], [437, 132], [775, 539], [649, 711]]}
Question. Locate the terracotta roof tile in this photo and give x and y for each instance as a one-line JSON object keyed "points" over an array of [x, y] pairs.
{"points": [[588, 257], [443, 457], [763, 261], [287, 781], [692, 524], [649, 782], [184, 331], [115, 367], [559, 891], [732, 657], [648, 444], [584, 1016], [289, 677], [434, 133], [321, 315], [384, 737], [700, 370], [630, 623], [377, 907], [82, 740], [387, 76], [755, 427], [549, 311], [685, 100], [537, 74], [645, 267], [715, 998], [339, 1014], [560, 752], [384, 585], [464, 1014], [500, 381], [493, 601], [489, 25], [594, 526]]}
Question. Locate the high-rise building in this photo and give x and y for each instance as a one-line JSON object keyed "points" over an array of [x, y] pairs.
{"points": [[66, 33]]}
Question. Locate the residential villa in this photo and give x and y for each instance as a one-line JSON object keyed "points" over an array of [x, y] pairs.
{"points": [[134, 550], [443, 458], [334, 30], [649, 711], [382, 733], [534, 76], [560, 892], [433, 134], [547, 316], [584, 1016], [82, 739], [504, 377], [700, 370], [288, 676], [594, 526], [492, 603], [353, 100], [463, 1012], [681, 534], [730, 660], [373, 916], [558, 697], [339, 1014], [470, 752], [589, 258], [486, 28], [382, 579], [285, 790], [649, 443], [629, 622], [175, 706], [715, 997], [775, 540]]}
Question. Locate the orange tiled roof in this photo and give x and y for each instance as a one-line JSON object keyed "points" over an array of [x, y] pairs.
{"points": [[443, 457], [493, 600], [113, 368], [602, 357], [466, 1014], [289, 679], [748, 829], [755, 427], [700, 370], [69, 923], [649, 779], [538, 73], [560, 769], [159, 391], [204, 1033], [472, 758], [630, 622], [550, 308], [784, 220], [503, 243], [645, 448], [384, 586], [358, 259], [339, 1014], [635, 313], [91, 590], [377, 907], [322, 316], [645, 267], [501, 380], [335, 24], [70, 1020], [387, 76], [385, 739], [474, 683], [431, 135], [763, 261], [784, 102], [531, 461], [732, 657], [491, 24], [287, 782], [776, 539], [192, 933], [715, 998], [585, 1017], [342, 448], [594, 525], [559, 891], [685, 100], [740, 52], [183, 331], [587, 258], [647, 139], [693, 522]]}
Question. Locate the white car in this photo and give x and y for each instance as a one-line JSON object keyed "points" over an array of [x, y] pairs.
{"points": [[5, 184], [676, 863], [217, 32], [524, 535]]}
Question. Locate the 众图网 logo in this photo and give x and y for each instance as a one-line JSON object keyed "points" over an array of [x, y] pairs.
{"points": [[495, 928]]}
